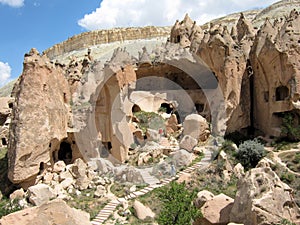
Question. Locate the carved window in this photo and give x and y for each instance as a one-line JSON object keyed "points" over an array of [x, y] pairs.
{"points": [[282, 93]]}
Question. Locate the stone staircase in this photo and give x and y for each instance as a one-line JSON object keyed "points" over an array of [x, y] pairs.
{"points": [[153, 182]]}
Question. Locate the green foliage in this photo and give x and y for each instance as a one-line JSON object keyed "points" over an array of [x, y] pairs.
{"points": [[289, 128], [250, 153], [7, 206], [287, 177], [285, 222], [177, 206], [162, 109], [150, 120]]}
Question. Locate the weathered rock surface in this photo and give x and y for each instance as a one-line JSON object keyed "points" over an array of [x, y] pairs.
{"points": [[182, 158], [188, 143], [263, 199], [40, 194], [216, 210], [56, 211], [142, 211], [196, 126], [203, 197], [40, 114]]}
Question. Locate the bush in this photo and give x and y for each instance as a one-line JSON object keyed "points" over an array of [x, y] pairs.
{"points": [[250, 153], [177, 206], [289, 128]]}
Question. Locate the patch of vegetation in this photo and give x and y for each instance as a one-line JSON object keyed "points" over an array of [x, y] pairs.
{"points": [[177, 207], [250, 153], [150, 120], [6, 187], [7, 206], [290, 129], [292, 160], [284, 145], [212, 181], [87, 202], [285, 222], [291, 179]]}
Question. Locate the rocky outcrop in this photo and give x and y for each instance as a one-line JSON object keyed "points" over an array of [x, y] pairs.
{"points": [[216, 210], [40, 114], [263, 199], [142, 211], [274, 58], [92, 38], [56, 211], [197, 127]]}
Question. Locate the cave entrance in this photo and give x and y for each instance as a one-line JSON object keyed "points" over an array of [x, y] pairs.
{"points": [[65, 152], [166, 107], [282, 93]]}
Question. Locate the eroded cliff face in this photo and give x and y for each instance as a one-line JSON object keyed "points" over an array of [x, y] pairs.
{"points": [[77, 108], [276, 76], [257, 69], [40, 114]]}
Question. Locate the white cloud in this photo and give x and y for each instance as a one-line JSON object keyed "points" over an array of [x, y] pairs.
{"points": [[13, 3], [126, 13], [5, 72]]}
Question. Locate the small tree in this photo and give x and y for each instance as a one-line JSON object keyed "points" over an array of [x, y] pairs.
{"points": [[289, 128], [250, 153], [178, 207]]}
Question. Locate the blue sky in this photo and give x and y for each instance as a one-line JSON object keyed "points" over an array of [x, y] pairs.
{"points": [[40, 24]]}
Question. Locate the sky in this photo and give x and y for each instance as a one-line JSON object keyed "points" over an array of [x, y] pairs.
{"points": [[25, 24]]}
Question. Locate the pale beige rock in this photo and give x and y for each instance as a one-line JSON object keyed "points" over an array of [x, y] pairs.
{"points": [[181, 158], [56, 211], [188, 143], [238, 170], [17, 194], [202, 198], [100, 191], [41, 84], [263, 199], [196, 126], [142, 211], [217, 210], [40, 194], [59, 166]]}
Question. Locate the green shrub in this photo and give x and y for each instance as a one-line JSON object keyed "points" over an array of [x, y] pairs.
{"points": [[250, 153], [177, 206], [285, 222], [289, 128], [7, 206]]}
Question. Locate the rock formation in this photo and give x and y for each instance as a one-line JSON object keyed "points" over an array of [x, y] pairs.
{"points": [[263, 199], [72, 102], [56, 211]]}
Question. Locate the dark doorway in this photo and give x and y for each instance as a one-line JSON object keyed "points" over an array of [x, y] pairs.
{"points": [[282, 93], [65, 152]]}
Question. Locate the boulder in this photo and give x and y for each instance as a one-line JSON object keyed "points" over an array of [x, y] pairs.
{"points": [[196, 126], [40, 194], [142, 211], [203, 197], [100, 191], [182, 158], [56, 211], [188, 143], [262, 198], [59, 166], [216, 210], [101, 165], [238, 170], [17, 194], [153, 135]]}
